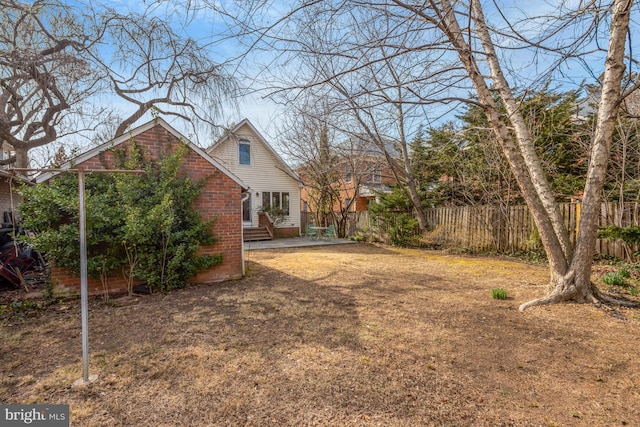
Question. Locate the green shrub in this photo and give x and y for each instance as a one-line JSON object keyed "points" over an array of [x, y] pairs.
{"points": [[144, 224], [629, 235], [624, 273], [499, 293], [614, 279], [392, 216]]}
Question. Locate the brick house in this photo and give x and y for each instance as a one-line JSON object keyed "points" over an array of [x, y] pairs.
{"points": [[221, 198], [360, 172]]}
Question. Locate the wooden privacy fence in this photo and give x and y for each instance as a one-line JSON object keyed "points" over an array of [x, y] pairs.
{"points": [[511, 229], [487, 228], [504, 229]]}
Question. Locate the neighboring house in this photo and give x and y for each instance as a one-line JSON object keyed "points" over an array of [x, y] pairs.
{"points": [[373, 177], [221, 199], [274, 187], [361, 172], [371, 171], [9, 198]]}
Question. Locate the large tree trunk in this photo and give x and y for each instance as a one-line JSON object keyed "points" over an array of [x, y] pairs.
{"points": [[22, 158], [576, 283], [507, 140], [570, 271], [417, 204], [522, 133]]}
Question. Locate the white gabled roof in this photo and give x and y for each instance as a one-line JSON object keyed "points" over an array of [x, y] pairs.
{"points": [[132, 134], [276, 156]]}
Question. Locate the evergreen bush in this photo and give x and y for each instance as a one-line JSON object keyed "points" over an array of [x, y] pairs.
{"points": [[145, 223]]}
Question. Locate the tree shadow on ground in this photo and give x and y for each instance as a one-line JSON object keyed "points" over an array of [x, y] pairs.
{"points": [[272, 310]]}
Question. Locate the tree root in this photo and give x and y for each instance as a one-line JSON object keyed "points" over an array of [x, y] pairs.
{"points": [[595, 296], [552, 298], [608, 299]]}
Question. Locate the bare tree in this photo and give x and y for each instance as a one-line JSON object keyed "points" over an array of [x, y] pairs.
{"points": [[374, 121], [152, 67], [623, 174], [305, 139], [360, 57], [476, 55], [62, 68], [44, 74], [570, 267], [329, 164]]}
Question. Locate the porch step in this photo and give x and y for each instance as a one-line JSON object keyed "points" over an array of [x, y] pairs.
{"points": [[253, 234]]}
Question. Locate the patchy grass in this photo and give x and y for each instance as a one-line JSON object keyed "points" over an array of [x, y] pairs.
{"points": [[498, 293], [338, 335]]}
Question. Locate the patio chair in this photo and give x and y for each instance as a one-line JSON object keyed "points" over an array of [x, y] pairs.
{"points": [[331, 232], [311, 232]]}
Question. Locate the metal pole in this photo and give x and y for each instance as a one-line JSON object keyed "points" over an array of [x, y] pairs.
{"points": [[84, 291], [83, 281], [243, 199]]}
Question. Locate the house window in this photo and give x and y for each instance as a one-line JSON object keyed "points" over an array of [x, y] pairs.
{"points": [[347, 174], [244, 152], [376, 175], [346, 203], [275, 201], [285, 203], [266, 200]]}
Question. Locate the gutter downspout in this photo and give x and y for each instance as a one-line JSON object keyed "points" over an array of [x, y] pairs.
{"points": [[245, 196]]}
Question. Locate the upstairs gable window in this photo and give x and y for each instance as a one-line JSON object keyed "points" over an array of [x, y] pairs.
{"points": [[376, 176], [244, 152]]}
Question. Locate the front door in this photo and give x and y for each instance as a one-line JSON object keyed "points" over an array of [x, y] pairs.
{"points": [[246, 212]]}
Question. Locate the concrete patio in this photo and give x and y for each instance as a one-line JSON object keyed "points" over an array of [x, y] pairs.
{"points": [[294, 242]]}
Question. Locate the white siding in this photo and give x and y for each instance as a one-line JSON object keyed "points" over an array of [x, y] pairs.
{"points": [[265, 173]]}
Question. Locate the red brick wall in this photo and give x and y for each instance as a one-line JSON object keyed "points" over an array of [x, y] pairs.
{"points": [[221, 199], [65, 283], [287, 232]]}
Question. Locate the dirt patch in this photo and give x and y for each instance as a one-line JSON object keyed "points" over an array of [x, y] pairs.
{"points": [[337, 335]]}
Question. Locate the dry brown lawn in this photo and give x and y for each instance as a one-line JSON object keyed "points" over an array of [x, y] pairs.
{"points": [[352, 335]]}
